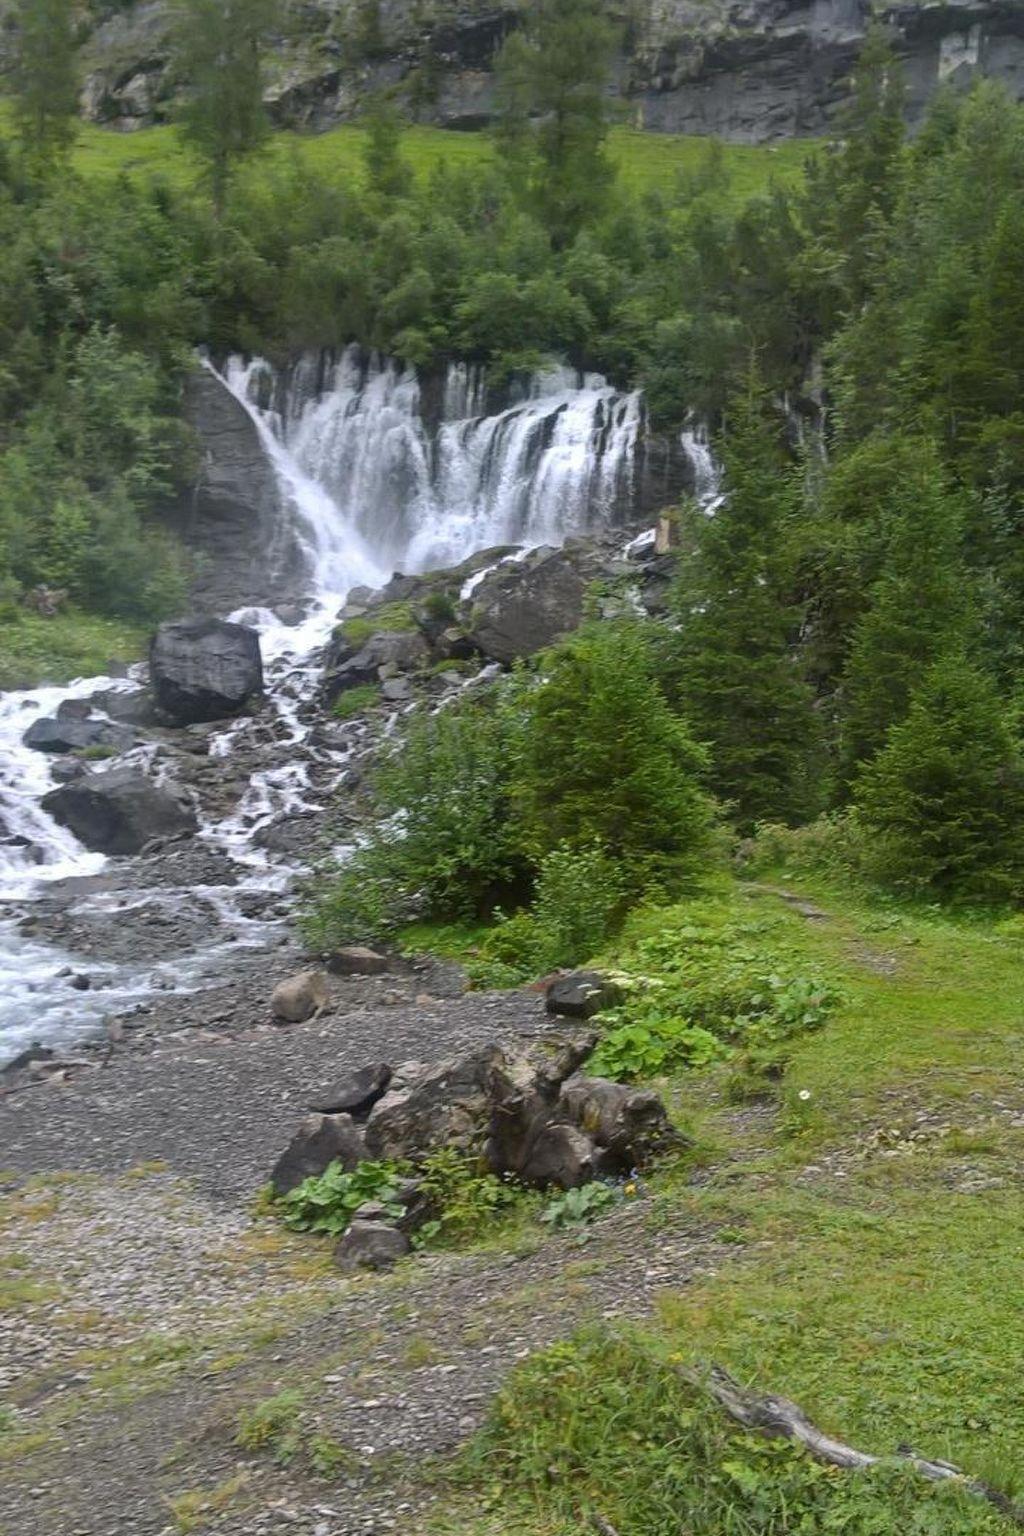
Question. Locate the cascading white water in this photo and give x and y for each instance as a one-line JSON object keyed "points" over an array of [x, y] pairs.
{"points": [[553, 464], [369, 488]]}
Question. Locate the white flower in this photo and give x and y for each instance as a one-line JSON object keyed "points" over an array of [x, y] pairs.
{"points": [[804, 1094]]}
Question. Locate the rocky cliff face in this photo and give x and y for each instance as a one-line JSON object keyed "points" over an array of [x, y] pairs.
{"points": [[747, 70]]}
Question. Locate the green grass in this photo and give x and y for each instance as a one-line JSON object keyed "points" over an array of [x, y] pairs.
{"points": [[34, 650], [871, 1261], [355, 701], [645, 161]]}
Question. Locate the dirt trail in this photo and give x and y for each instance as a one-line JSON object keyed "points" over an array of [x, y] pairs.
{"points": [[150, 1308]]}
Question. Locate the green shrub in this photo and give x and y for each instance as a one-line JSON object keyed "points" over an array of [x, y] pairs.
{"points": [[327, 1203], [440, 607], [578, 902], [355, 701], [273, 1425], [463, 1195], [605, 762], [646, 1048], [446, 844], [578, 1207]]}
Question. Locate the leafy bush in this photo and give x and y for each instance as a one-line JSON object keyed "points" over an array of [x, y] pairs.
{"points": [[463, 1195], [327, 1203], [445, 845], [645, 1048], [272, 1425], [578, 1207], [705, 987]]}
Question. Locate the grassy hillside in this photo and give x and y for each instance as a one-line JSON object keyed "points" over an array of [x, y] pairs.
{"points": [[644, 160], [874, 1215]]}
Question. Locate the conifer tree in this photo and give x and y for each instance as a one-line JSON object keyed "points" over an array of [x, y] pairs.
{"points": [[944, 799], [387, 174], [736, 670], [45, 80], [919, 608], [603, 761], [552, 75], [219, 45]]}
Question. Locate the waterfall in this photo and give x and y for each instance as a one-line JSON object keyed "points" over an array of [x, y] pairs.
{"points": [[555, 463]]}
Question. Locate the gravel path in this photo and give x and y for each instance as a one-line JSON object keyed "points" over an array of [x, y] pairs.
{"points": [[150, 1307]]}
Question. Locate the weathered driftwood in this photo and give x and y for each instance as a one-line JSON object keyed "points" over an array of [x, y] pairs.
{"points": [[778, 1416]]}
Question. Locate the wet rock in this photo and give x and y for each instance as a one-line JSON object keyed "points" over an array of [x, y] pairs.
{"points": [[119, 811], [299, 997], [348, 666], [32, 1054], [70, 768], [373, 1245], [396, 690], [355, 1094], [73, 734], [356, 960], [129, 706], [525, 605], [581, 994], [319, 1141], [80, 982], [296, 833], [204, 669]]}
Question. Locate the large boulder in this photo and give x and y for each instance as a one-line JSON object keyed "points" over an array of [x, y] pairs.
{"points": [[119, 811], [525, 605], [72, 734], [350, 666], [204, 669], [425, 1108], [319, 1141], [631, 1124]]}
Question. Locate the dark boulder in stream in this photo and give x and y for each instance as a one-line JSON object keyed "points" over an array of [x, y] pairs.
{"points": [[119, 811], [204, 669]]}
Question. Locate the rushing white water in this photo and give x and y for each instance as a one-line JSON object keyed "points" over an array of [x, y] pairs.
{"points": [[553, 464], [370, 487]]}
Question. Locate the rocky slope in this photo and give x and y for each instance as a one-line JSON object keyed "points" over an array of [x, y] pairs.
{"points": [[748, 70]]}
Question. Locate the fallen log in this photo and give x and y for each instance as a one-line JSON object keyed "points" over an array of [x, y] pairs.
{"points": [[778, 1417]]}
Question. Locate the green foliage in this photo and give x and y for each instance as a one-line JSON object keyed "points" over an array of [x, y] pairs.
{"points": [[36, 650], [702, 987], [604, 761], [327, 1203], [552, 74], [579, 1207], [603, 1426], [652, 1046], [735, 666], [355, 701], [44, 80], [578, 902], [446, 845], [944, 799], [463, 1196], [218, 47]]}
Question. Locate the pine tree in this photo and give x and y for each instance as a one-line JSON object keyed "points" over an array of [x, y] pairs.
{"points": [[219, 45], [603, 761], [919, 607], [45, 80], [552, 76], [944, 799], [735, 670], [387, 174]]}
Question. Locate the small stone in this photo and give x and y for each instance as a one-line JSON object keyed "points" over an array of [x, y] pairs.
{"points": [[296, 999], [371, 1245], [581, 994]]}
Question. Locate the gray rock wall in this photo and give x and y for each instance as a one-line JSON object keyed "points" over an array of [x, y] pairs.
{"points": [[747, 70]]}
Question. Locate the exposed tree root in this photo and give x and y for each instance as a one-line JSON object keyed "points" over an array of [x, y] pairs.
{"points": [[777, 1416]]}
